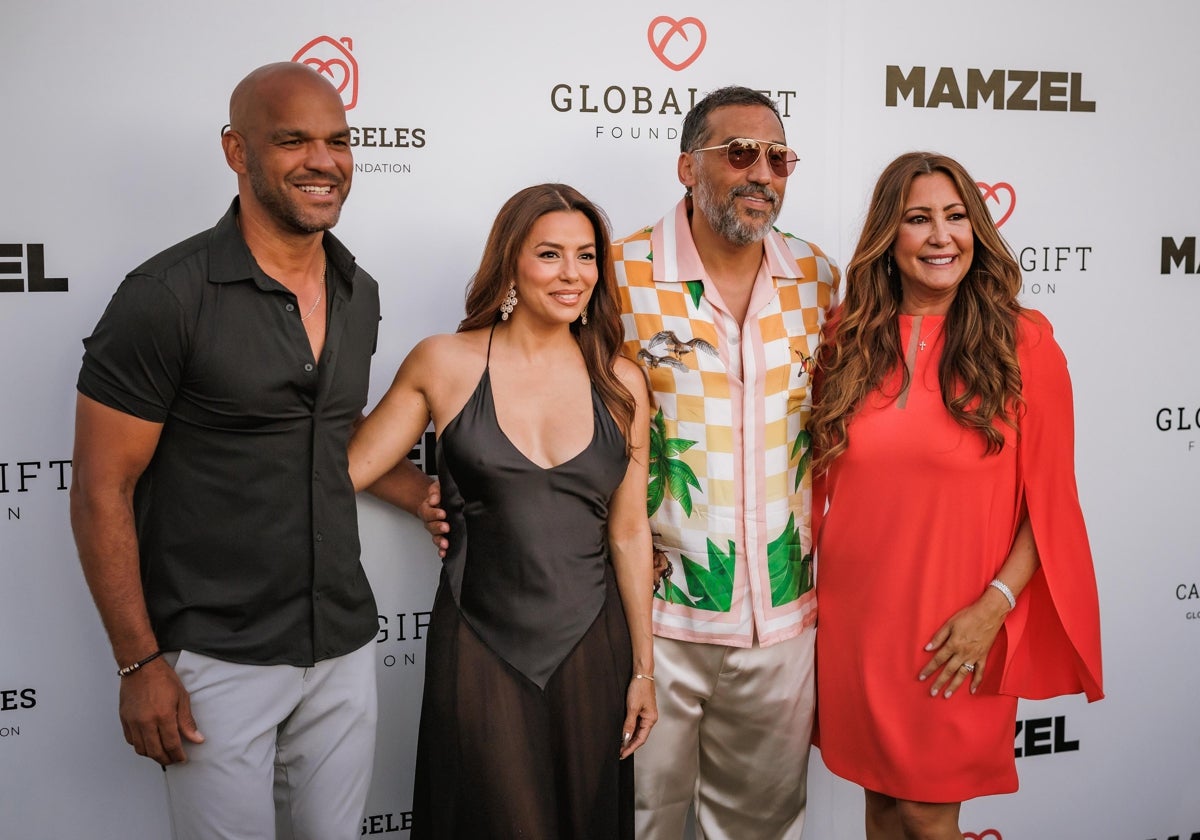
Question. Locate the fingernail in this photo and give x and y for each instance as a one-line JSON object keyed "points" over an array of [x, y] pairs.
{"points": [[948, 693], [625, 738], [921, 677], [933, 692], [929, 646]]}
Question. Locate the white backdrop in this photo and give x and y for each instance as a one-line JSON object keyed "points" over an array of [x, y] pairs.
{"points": [[110, 150]]}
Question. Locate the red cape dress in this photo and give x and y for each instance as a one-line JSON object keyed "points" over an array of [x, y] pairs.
{"points": [[919, 520]]}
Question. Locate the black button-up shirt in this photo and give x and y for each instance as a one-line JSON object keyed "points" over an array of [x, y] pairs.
{"points": [[246, 518]]}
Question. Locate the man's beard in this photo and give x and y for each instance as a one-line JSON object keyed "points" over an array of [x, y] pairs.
{"points": [[284, 209], [723, 216]]}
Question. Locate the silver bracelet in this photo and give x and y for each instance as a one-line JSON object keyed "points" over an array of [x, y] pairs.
{"points": [[1006, 592]]}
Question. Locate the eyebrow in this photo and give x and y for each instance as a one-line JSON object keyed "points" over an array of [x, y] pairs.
{"points": [[547, 244], [930, 209], [298, 134]]}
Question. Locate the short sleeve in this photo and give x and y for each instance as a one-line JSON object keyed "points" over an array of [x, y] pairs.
{"points": [[134, 359]]}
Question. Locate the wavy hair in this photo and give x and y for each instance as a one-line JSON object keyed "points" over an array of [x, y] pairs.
{"points": [[979, 376], [600, 341]]}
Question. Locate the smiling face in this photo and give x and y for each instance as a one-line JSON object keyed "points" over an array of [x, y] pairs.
{"points": [[557, 268], [291, 146], [934, 245], [739, 205]]}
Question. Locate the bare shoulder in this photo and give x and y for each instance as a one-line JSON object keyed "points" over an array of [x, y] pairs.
{"points": [[631, 376], [437, 355]]}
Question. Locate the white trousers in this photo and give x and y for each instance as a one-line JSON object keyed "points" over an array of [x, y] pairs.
{"points": [[288, 751], [732, 738]]}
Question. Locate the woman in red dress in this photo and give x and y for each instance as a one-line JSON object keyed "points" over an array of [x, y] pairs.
{"points": [[954, 573]]}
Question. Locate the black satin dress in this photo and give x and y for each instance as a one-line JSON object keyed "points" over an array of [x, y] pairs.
{"points": [[529, 655]]}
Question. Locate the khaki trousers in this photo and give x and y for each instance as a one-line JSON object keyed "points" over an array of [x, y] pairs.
{"points": [[732, 739]]}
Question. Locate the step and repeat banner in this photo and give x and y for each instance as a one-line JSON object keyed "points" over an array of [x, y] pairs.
{"points": [[1076, 118]]}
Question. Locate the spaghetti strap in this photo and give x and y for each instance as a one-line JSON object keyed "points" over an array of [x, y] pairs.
{"points": [[487, 362]]}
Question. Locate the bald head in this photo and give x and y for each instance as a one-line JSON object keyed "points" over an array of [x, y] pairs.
{"points": [[257, 96]]}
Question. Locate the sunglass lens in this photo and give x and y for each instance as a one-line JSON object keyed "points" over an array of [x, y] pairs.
{"points": [[782, 160], [742, 154]]}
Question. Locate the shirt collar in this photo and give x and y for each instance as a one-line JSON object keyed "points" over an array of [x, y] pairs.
{"points": [[676, 259], [230, 260]]}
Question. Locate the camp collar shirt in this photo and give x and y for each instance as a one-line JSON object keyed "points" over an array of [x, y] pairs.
{"points": [[246, 517], [730, 491]]}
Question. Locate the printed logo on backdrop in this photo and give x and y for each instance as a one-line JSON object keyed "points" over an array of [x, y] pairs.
{"points": [[401, 637], [1188, 596], [651, 110], [974, 89], [334, 59], [1042, 266], [987, 834], [1182, 422], [1178, 256], [677, 43], [1195, 835], [373, 824], [25, 485], [1043, 736], [23, 269], [13, 703]]}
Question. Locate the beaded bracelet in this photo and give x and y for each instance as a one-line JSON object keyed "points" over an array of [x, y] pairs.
{"points": [[1006, 592], [129, 669]]}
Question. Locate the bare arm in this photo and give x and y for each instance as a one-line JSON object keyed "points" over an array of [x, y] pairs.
{"points": [[381, 441], [969, 634], [112, 450], [632, 556]]}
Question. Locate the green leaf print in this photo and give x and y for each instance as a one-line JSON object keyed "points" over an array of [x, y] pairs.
{"points": [[696, 290], [712, 586], [803, 442], [668, 475], [672, 594], [790, 570]]}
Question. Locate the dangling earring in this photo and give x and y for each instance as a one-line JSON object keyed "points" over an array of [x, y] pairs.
{"points": [[889, 265], [583, 317], [510, 300]]}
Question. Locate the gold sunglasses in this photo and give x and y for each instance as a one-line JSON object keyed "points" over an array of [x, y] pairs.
{"points": [[744, 152]]}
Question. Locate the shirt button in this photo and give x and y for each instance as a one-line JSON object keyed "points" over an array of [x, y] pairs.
{"points": [[320, 537], [308, 368], [290, 307]]}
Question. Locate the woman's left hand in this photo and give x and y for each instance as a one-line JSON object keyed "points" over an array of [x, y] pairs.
{"points": [[961, 646], [641, 713]]}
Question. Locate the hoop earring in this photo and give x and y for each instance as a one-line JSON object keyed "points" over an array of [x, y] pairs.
{"points": [[510, 301]]}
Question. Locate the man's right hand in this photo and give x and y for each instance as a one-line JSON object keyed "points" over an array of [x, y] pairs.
{"points": [[156, 713], [434, 517]]}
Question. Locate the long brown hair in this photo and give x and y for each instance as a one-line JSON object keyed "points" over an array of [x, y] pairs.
{"points": [[979, 376], [599, 341]]}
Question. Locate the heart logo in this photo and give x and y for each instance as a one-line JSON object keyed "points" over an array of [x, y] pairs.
{"points": [[335, 61], [1004, 206], [991, 833], [677, 43]]}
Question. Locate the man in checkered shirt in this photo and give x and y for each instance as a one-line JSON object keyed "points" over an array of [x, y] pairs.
{"points": [[724, 313]]}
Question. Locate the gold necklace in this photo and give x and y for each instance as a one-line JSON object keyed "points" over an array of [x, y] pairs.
{"points": [[938, 326], [321, 294]]}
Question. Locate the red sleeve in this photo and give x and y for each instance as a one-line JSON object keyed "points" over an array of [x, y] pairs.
{"points": [[1053, 636]]}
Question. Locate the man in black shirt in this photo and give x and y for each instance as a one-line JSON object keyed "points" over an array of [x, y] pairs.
{"points": [[211, 504]]}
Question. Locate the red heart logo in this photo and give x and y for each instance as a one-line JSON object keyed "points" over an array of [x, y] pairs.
{"points": [[335, 61], [660, 43], [991, 832], [991, 192]]}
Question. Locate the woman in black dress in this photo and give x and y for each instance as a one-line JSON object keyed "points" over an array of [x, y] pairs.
{"points": [[539, 677]]}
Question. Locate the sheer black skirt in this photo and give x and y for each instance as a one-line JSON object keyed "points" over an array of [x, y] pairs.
{"points": [[499, 758]]}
